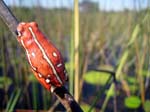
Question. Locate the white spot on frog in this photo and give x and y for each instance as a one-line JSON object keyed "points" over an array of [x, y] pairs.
{"points": [[40, 75], [54, 54], [33, 54], [47, 80], [59, 65]]}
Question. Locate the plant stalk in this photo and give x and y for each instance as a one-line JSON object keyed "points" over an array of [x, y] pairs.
{"points": [[67, 99]]}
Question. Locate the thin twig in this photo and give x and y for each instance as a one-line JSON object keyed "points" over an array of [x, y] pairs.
{"points": [[67, 99], [8, 17]]}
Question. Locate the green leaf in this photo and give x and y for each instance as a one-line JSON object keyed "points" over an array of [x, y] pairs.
{"points": [[133, 88], [122, 62], [134, 34], [32, 78], [5, 80], [131, 80], [16, 99], [96, 78], [68, 65], [147, 106], [110, 92], [132, 102], [86, 107], [146, 73], [13, 100]]}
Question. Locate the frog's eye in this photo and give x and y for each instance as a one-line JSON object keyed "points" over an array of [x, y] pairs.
{"points": [[18, 33]]}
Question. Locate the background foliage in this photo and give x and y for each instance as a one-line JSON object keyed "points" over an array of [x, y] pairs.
{"points": [[113, 42]]}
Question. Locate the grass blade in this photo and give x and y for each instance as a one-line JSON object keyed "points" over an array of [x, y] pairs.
{"points": [[13, 100], [118, 72]]}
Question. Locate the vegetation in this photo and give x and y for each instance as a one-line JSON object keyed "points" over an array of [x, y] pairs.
{"points": [[116, 42]]}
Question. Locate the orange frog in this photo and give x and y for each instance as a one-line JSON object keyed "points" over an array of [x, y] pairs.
{"points": [[44, 58]]}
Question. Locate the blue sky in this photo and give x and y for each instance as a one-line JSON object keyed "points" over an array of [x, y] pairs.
{"points": [[115, 5]]}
